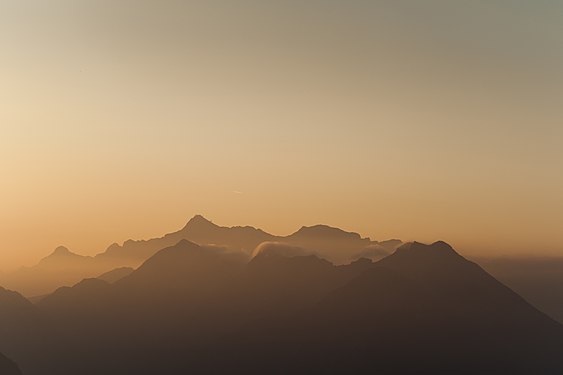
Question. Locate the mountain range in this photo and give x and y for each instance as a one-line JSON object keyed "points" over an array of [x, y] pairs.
{"points": [[193, 308], [63, 267]]}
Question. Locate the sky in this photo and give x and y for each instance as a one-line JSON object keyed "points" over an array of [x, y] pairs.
{"points": [[396, 119]]}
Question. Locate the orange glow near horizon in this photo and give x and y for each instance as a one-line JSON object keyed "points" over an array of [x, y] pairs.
{"points": [[121, 121]]}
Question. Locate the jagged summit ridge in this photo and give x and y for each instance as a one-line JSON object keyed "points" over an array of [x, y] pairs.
{"points": [[64, 267], [198, 221]]}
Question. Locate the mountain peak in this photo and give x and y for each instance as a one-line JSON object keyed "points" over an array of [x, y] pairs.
{"points": [[326, 231], [61, 251], [184, 243], [436, 249], [444, 246], [198, 221]]}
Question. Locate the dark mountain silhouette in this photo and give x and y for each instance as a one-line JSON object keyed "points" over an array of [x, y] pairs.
{"points": [[198, 230], [13, 305], [424, 309], [64, 268], [17, 318], [82, 297], [116, 274], [333, 243], [207, 309], [538, 280], [21, 329], [187, 267], [203, 231], [323, 233], [374, 252], [466, 306], [390, 245]]}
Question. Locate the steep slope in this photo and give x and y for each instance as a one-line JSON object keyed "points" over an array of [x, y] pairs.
{"points": [[79, 300], [169, 303], [203, 309], [424, 309], [179, 301], [116, 274], [302, 313], [185, 265], [448, 314], [21, 329], [538, 280], [18, 319]]}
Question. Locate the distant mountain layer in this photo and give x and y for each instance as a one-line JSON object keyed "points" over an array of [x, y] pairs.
{"points": [[208, 309], [62, 267], [65, 268]]}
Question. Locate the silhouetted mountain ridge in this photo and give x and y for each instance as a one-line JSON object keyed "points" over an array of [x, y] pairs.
{"points": [[198, 222], [325, 232], [21, 330], [116, 274], [209, 309], [62, 253], [424, 300], [65, 268], [538, 279]]}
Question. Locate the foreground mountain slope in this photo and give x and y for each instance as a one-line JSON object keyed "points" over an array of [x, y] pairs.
{"points": [[21, 329], [538, 280], [204, 309], [424, 309], [8, 367], [444, 313]]}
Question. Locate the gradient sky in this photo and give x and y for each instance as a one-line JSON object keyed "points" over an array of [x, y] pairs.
{"points": [[412, 119]]}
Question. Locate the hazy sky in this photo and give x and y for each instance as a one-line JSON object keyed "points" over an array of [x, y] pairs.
{"points": [[413, 119]]}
